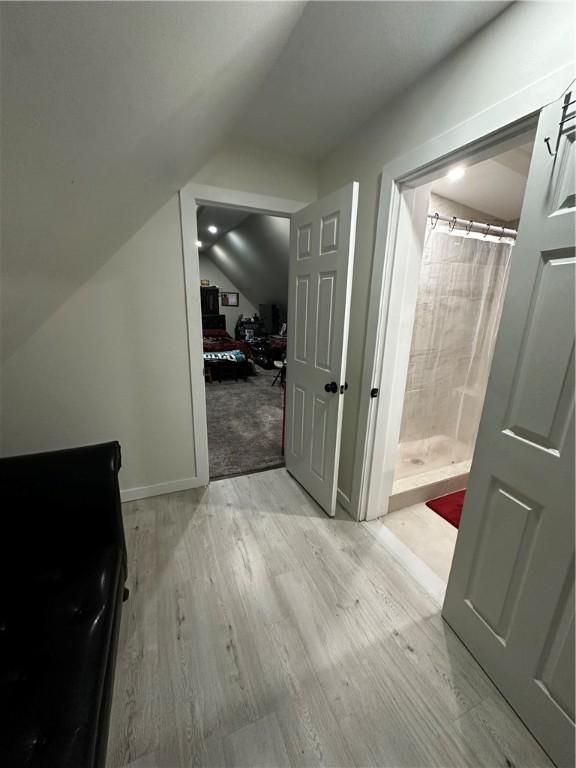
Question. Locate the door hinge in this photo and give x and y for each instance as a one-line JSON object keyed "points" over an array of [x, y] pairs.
{"points": [[374, 392]]}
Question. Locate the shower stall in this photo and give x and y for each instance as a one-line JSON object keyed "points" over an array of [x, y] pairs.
{"points": [[460, 295]]}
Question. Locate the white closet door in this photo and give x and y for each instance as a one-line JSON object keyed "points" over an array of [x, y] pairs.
{"points": [[510, 595]]}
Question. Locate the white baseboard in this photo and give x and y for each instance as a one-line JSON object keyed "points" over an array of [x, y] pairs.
{"points": [[172, 486], [411, 563]]}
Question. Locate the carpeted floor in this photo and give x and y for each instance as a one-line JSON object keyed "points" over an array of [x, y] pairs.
{"points": [[244, 425]]}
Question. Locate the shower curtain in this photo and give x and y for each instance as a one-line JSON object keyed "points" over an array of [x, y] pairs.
{"points": [[460, 296]]}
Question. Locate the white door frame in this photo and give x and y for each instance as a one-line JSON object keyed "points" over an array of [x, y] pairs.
{"points": [[191, 196], [394, 277]]}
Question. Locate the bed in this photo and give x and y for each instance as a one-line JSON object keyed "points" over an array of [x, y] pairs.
{"points": [[224, 356]]}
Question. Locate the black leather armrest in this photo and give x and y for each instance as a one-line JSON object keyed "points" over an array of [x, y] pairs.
{"points": [[71, 497], [62, 574]]}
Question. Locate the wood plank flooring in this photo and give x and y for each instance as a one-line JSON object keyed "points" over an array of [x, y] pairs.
{"points": [[259, 632]]}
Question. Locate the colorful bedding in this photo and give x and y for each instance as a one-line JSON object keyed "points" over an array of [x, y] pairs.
{"points": [[230, 356]]}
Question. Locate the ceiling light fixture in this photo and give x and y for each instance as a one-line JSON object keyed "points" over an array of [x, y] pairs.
{"points": [[198, 243], [456, 173], [212, 229]]}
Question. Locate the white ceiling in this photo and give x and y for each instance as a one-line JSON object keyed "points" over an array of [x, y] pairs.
{"points": [[344, 60], [495, 187], [224, 219], [108, 108]]}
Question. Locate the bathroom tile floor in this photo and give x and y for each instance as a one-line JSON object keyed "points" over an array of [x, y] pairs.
{"points": [[426, 534]]}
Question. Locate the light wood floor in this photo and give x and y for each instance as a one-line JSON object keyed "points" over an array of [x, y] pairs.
{"points": [[261, 633]]}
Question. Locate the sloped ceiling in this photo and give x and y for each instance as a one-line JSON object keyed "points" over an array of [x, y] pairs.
{"points": [[223, 218], [107, 109], [254, 257], [345, 60]]}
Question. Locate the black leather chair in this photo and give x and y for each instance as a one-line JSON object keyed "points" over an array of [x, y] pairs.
{"points": [[62, 577]]}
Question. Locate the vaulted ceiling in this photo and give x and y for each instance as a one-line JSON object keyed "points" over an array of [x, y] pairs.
{"points": [[109, 108], [346, 59], [215, 221], [254, 257]]}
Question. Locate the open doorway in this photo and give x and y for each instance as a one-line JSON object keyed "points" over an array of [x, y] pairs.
{"points": [[243, 270], [471, 227]]}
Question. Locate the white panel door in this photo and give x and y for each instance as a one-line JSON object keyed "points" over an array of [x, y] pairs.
{"points": [[321, 259], [510, 595]]}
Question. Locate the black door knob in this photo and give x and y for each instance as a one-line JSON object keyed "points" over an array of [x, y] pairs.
{"points": [[331, 387]]}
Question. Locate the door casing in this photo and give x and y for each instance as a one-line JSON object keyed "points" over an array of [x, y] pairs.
{"points": [[191, 196], [393, 278]]}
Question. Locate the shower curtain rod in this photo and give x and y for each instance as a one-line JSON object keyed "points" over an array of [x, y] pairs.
{"points": [[469, 225]]}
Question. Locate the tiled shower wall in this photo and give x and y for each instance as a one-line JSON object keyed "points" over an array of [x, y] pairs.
{"points": [[457, 311]]}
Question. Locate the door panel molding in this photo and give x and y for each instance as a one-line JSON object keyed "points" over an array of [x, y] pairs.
{"points": [[512, 577], [321, 259]]}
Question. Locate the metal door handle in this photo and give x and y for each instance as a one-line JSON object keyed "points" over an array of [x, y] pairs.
{"points": [[331, 387]]}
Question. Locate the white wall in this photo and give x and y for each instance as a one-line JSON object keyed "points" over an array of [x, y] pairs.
{"points": [[526, 42], [209, 271], [240, 165], [112, 363], [107, 111]]}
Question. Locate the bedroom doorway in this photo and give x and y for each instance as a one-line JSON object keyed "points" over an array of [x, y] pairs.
{"points": [[242, 205], [243, 270]]}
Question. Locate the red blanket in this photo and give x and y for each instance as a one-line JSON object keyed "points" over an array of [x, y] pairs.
{"points": [[220, 341]]}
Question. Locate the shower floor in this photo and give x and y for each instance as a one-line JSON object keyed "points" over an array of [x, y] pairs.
{"points": [[429, 468], [418, 456]]}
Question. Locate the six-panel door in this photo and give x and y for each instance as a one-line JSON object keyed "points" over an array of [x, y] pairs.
{"points": [[321, 258], [510, 595]]}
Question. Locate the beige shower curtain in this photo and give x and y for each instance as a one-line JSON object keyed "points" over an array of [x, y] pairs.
{"points": [[460, 296]]}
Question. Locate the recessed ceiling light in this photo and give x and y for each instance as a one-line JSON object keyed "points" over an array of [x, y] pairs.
{"points": [[212, 229], [456, 173], [198, 243]]}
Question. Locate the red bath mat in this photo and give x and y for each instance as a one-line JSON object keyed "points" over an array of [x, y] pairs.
{"points": [[449, 507]]}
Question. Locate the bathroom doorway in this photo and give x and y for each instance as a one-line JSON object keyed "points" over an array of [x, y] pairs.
{"points": [[472, 219]]}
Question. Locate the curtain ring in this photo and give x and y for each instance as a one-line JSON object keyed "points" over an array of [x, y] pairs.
{"points": [[488, 230], [501, 234], [452, 224], [435, 220], [469, 227]]}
